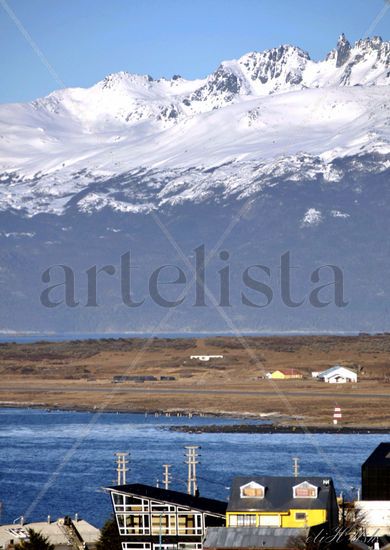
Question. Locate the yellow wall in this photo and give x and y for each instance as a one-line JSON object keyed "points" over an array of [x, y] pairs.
{"points": [[277, 375], [286, 519], [314, 517]]}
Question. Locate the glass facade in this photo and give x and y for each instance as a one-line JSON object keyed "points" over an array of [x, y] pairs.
{"points": [[138, 516]]}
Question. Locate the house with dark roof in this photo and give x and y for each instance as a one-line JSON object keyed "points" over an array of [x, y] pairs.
{"points": [[151, 518], [286, 502], [374, 507], [376, 474]]}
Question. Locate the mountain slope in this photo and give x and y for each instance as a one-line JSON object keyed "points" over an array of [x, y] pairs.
{"points": [[262, 109], [272, 153]]}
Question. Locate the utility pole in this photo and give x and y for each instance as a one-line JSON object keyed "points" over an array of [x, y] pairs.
{"points": [[167, 478], [121, 467], [296, 466], [192, 456]]}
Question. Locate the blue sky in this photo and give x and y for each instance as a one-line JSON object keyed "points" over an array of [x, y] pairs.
{"points": [[84, 40]]}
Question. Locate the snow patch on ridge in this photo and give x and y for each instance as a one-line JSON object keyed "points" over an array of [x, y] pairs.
{"points": [[312, 217]]}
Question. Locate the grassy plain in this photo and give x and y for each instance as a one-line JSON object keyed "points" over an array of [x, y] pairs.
{"points": [[79, 375]]}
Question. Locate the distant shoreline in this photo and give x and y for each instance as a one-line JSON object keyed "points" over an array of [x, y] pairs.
{"points": [[243, 428], [9, 337], [275, 429]]}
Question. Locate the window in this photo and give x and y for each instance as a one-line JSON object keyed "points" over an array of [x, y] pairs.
{"points": [[136, 545], [305, 490], [252, 490], [269, 521], [164, 524], [300, 516], [127, 503], [232, 521], [133, 524], [161, 507], [189, 524], [246, 520]]}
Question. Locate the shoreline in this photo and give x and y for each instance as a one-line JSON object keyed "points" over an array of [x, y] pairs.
{"points": [[244, 428], [275, 429]]}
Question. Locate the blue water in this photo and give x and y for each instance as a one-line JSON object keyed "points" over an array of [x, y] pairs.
{"points": [[57, 462]]}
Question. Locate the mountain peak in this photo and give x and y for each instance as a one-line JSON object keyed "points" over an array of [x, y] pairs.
{"points": [[123, 78], [343, 50]]}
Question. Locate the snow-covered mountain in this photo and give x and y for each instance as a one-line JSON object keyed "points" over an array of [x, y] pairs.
{"points": [[267, 115], [272, 152]]}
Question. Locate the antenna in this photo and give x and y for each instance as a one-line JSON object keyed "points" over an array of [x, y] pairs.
{"points": [[192, 456], [296, 466], [121, 467], [167, 478]]}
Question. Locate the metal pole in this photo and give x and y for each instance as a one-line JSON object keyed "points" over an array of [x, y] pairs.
{"points": [[160, 533], [122, 469], [166, 476], [296, 466], [192, 456]]}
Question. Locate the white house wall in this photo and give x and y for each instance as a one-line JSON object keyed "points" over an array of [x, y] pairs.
{"points": [[376, 516]]}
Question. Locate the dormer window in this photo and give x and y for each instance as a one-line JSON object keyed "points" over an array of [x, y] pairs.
{"points": [[252, 490], [305, 490]]}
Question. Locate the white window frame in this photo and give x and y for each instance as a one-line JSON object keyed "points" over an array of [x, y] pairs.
{"points": [[309, 486], [127, 506], [126, 530], [254, 485], [172, 525], [246, 520], [191, 531]]}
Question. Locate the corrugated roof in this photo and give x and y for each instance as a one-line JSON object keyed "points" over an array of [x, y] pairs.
{"points": [[54, 532], [279, 494], [202, 504], [251, 537]]}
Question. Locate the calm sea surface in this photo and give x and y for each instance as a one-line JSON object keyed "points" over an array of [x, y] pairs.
{"points": [[57, 462]]}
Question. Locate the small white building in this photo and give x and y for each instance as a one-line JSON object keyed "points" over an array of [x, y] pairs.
{"points": [[375, 516], [206, 357], [337, 375]]}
